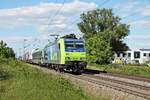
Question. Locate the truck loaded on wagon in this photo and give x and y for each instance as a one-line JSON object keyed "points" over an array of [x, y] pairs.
{"points": [[62, 54]]}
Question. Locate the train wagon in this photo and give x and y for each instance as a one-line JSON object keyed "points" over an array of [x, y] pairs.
{"points": [[63, 54], [37, 56], [27, 57]]}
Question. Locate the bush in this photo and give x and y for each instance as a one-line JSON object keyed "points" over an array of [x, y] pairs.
{"points": [[124, 69], [148, 63], [6, 52], [98, 51]]}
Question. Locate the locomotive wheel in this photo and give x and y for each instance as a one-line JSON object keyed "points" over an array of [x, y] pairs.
{"points": [[57, 67], [61, 69]]}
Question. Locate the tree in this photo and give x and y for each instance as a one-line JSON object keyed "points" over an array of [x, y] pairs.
{"points": [[99, 51], [70, 36], [103, 23], [6, 52]]}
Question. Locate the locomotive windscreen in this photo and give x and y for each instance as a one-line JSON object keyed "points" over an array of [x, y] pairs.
{"points": [[74, 46]]}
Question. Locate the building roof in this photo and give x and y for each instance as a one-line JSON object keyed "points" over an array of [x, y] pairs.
{"points": [[144, 49]]}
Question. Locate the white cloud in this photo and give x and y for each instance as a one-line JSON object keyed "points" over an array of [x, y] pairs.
{"points": [[127, 8], [138, 37], [146, 11], [15, 39], [138, 40], [43, 15], [141, 24], [133, 7], [20, 39]]}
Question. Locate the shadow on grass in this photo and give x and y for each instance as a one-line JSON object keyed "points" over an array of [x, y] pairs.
{"points": [[92, 71], [87, 71], [4, 76]]}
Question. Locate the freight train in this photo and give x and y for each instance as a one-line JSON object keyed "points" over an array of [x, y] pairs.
{"points": [[63, 55]]}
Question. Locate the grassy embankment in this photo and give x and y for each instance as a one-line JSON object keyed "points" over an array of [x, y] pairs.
{"points": [[18, 81], [137, 70]]}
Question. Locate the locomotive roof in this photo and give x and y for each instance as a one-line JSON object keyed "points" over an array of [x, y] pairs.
{"points": [[73, 39], [37, 50]]}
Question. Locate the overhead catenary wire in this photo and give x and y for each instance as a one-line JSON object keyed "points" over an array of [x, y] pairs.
{"points": [[51, 18], [57, 12], [77, 19], [130, 15], [72, 23], [139, 19], [134, 13], [106, 1]]}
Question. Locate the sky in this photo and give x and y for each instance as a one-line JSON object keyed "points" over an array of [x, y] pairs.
{"points": [[30, 23]]}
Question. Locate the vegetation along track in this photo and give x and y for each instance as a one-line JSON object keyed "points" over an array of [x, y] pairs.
{"points": [[141, 91]]}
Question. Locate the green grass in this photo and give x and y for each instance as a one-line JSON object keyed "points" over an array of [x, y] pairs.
{"points": [[137, 70], [19, 81]]}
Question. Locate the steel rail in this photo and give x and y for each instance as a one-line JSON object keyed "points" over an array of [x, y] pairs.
{"points": [[147, 88], [116, 87], [138, 78]]}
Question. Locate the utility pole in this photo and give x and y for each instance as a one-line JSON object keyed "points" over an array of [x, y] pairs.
{"points": [[36, 43], [19, 55], [24, 47]]}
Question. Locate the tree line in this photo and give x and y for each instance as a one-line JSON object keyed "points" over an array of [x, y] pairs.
{"points": [[5, 51]]}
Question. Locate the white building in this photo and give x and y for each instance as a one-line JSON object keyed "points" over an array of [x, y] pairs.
{"points": [[139, 56]]}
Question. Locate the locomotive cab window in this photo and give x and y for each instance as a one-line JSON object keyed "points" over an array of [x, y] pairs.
{"points": [[79, 45], [68, 46], [74, 46]]}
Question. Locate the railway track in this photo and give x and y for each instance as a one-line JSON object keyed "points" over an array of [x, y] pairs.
{"points": [[138, 78], [133, 89], [145, 79], [143, 87]]}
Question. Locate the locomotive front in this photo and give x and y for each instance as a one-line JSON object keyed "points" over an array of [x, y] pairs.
{"points": [[75, 54]]}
